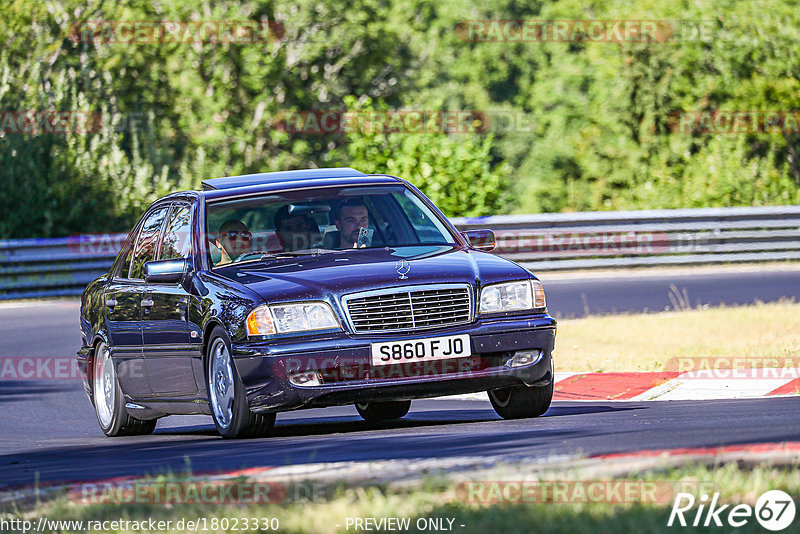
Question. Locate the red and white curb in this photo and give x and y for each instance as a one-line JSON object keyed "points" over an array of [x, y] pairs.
{"points": [[671, 385], [790, 447]]}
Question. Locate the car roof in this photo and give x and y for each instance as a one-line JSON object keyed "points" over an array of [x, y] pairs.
{"points": [[231, 182], [254, 186]]}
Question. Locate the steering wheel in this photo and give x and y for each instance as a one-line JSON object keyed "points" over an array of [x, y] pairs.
{"points": [[388, 234], [240, 257]]}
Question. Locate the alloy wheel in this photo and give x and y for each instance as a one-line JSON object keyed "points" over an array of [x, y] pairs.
{"points": [[221, 381]]}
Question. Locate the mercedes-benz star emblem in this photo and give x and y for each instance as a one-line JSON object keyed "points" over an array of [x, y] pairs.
{"points": [[402, 267]]}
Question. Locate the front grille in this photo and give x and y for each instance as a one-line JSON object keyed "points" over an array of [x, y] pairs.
{"points": [[417, 308]]}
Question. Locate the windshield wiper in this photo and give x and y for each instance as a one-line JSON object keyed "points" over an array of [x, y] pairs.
{"points": [[291, 253]]}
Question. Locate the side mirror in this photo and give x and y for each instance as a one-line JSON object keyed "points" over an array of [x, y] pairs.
{"points": [[165, 271], [480, 239]]}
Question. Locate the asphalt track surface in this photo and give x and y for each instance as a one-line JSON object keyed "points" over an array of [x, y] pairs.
{"points": [[650, 292], [48, 431]]}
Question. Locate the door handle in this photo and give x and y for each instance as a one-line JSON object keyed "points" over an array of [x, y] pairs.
{"points": [[146, 303], [111, 302]]}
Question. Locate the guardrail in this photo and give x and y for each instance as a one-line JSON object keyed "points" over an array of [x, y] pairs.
{"points": [[591, 240], [543, 242], [54, 267]]}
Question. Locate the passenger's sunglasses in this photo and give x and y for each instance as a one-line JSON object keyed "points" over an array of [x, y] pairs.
{"points": [[233, 234]]}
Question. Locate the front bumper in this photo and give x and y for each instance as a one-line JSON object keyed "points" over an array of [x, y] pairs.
{"points": [[343, 364]]}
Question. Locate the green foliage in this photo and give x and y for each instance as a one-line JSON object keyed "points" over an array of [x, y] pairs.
{"points": [[453, 170], [601, 111], [605, 109]]}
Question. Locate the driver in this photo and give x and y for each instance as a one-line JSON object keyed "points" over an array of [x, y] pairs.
{"points": [[233, 240], [351, 216], [293, 231]]}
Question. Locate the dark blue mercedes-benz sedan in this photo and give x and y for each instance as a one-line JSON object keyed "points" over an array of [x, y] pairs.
{"points": [[277, 291]]}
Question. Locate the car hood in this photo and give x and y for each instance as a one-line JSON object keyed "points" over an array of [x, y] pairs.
{"points": [[346, 271]]}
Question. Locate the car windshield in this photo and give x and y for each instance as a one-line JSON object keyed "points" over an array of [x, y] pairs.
{"points": [[320, 220]]}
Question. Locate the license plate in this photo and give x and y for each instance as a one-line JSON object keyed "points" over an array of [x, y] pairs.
{"points": [[421, 350]]}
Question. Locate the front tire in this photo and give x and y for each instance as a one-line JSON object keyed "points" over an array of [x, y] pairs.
{"points": [[383, 411], [521, 402], [232, 416], [109, 402]]}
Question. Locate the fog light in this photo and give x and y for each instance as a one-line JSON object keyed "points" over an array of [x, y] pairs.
{"points": [[307, 378], [525, 357]]}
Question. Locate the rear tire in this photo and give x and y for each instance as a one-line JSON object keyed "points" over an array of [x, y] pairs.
{"points": [[521, 402], [226, 395], [109, 401], [375, 411]]}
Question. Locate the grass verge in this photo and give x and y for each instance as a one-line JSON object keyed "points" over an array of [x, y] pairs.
{"points": [[446, 501], [646, 342]]}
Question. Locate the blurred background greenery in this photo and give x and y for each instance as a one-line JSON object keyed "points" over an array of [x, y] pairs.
{"points": [[600, 139]]}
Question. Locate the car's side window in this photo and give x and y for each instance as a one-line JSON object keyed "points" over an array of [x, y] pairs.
{"points": [[428, 230], [146, 243], [125, 267], [177, 240]]}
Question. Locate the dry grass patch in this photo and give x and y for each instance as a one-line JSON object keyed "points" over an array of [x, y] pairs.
{"points": [[646, 342]]}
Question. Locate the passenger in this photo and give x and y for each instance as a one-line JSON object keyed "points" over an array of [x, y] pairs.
{"points": [[294, 231], [233, 240]]}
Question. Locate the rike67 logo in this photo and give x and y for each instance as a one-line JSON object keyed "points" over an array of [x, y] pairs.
{"points": [[774, 510]]}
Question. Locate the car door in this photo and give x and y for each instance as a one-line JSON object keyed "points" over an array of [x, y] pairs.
{"points": [[124, 327], [123, 297], [165, 329]]}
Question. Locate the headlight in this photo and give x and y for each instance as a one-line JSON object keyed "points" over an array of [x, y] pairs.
{"points": [[512, 296], [284, 318]]}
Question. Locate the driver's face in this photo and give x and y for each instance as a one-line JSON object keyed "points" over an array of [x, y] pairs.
{"points": [[235, 239], [353, 218], [294, 233]]}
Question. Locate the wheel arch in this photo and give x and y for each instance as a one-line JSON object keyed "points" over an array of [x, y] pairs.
{"points": [[207, 329], [98, 338]]}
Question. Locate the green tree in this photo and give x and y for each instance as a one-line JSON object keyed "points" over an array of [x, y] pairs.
{"points": [[454, 170]]}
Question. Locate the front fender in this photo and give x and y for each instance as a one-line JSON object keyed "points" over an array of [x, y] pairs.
{"points": [[225, 303]]}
